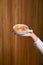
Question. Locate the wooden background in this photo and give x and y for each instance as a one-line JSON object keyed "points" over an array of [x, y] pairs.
{"points": [[14, 49]]}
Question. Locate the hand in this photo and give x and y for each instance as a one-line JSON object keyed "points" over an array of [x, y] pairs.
{"points": [[32, 35], [28, 34]]}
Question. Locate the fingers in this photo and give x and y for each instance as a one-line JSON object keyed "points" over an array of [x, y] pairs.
{"points": [[27, 34]]}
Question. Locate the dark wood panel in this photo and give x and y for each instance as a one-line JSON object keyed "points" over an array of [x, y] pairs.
{"points": [[14, 49]]}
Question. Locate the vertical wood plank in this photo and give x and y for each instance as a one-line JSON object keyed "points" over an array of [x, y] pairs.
{"points": [[1, 34], [6, 35]]}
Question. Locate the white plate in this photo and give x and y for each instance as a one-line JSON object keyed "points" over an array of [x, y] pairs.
{"points": [[22, 32]]}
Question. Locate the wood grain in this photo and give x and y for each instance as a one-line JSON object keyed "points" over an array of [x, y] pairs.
{"points": [[15, 49]]}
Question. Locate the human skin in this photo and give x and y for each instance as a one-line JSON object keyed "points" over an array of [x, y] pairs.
{"points": [[32, 35]]}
